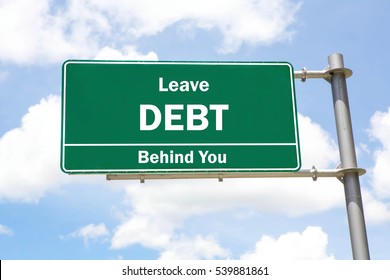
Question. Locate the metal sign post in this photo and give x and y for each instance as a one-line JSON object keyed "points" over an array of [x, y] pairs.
{"points": [[336, 74], [351, 183]]}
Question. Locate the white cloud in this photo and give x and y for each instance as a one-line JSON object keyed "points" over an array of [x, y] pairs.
{"points": [[375, 211], [29, 154], [160, 207], [311, 244], [380, 131], [200, 247], [239, 21], [312, 136], [144, 230], [31, 33], [6, 230], [128, 53], [47, 31], [91, 232]]}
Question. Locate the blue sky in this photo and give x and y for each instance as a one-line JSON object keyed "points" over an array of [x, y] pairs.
{"points": [[45, 214]]}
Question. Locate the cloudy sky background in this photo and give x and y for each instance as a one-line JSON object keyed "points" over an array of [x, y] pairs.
{"points": [[45, 214]]}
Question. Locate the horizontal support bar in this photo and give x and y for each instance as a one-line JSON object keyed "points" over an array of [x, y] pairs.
{"points": [[320, 74], [311, 74], [309, 173]]}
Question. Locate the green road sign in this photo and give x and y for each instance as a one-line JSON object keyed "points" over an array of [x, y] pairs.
{"points": [[147, 117]]}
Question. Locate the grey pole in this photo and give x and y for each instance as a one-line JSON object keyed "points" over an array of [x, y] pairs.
{"points": [[354, 204]]}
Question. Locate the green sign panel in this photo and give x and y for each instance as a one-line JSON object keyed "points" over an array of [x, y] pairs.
{"points": [[148, 117]]}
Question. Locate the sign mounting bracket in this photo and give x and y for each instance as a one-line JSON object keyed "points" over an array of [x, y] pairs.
{"points": [[313, 173]]}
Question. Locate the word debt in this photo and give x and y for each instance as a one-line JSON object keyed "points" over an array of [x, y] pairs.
{"points": [[196, 115], [172, 157]]}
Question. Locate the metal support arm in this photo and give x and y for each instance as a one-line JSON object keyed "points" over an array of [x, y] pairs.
{"points": [[320, 74], [313, 173]]}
